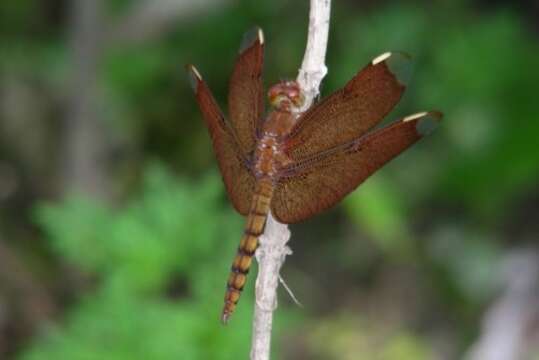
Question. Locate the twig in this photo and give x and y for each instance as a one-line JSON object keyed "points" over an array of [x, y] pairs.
{"points": [[270, 256], [289, 291], [86, 143], [507, 330], [313, 69], [273, 250]]}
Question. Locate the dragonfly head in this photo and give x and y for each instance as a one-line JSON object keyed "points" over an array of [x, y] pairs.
{"points": [[286, 95]]}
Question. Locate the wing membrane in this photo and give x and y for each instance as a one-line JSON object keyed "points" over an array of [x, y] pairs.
{"points": [[319, 182], [246, 97], [351, 111], [234, 167]]}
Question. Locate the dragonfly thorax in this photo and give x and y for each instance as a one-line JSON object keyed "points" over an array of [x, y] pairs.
{"points": [[269, 155]]}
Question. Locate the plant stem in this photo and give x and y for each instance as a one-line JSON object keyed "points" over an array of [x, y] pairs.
{"points": [[272, 251]]}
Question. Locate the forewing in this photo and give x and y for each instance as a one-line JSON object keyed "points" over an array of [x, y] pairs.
{"points": [[245, 96], [351, 111], [233, 164], [319, 182]]}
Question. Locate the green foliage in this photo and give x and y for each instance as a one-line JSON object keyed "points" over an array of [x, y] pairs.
{"points": [[492, 127], [378, 210], [476, 69], [484, 153], [173, 233], [14, 16]]}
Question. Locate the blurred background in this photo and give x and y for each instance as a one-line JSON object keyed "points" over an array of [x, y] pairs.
{"points": [[116, 236]]}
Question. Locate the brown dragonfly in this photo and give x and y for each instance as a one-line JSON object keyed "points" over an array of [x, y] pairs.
{"points": [[294, 164]]}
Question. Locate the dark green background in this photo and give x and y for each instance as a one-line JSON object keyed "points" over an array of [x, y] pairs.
{"points": [[129, 260]]}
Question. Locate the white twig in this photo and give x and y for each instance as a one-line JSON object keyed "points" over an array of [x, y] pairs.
{"points": [[313, 69], [270, 256], [289, 291], [273, 250], [507, 330]]}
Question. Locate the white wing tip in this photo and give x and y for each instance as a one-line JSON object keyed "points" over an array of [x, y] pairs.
{"points": [[414, 116], [196, 73], [381, 58], [260, 36]]}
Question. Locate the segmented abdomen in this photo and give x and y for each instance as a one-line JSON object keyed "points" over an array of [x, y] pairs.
{"points": [[256, 220]]}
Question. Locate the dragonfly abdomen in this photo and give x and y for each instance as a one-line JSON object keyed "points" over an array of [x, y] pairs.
{"points": [[256, 220]]}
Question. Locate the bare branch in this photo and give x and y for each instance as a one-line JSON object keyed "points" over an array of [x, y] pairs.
{"points": [[84, 132], [273, 249], [270, 256], [313, 69], [507, 326]]}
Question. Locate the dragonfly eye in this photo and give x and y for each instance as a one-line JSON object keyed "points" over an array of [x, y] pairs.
{"points": [[279, 101], [285, 95]]}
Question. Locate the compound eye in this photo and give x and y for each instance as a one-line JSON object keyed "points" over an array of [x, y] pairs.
{"points": [[272, 93], [277, 100]]}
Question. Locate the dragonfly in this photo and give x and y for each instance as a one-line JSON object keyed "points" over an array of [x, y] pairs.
{"points": [[298, 164]]}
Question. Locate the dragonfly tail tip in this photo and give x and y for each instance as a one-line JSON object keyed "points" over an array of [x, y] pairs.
{"points": [[225, 317]]}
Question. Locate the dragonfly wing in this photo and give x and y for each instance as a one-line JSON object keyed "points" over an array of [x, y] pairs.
{"points": [[351, 111], [315, 184], [233, 164], [245, 96]]}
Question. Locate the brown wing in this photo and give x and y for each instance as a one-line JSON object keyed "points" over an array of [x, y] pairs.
{"points": [[245, 96], [319, 182], [234, 167], [351, 111]]}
